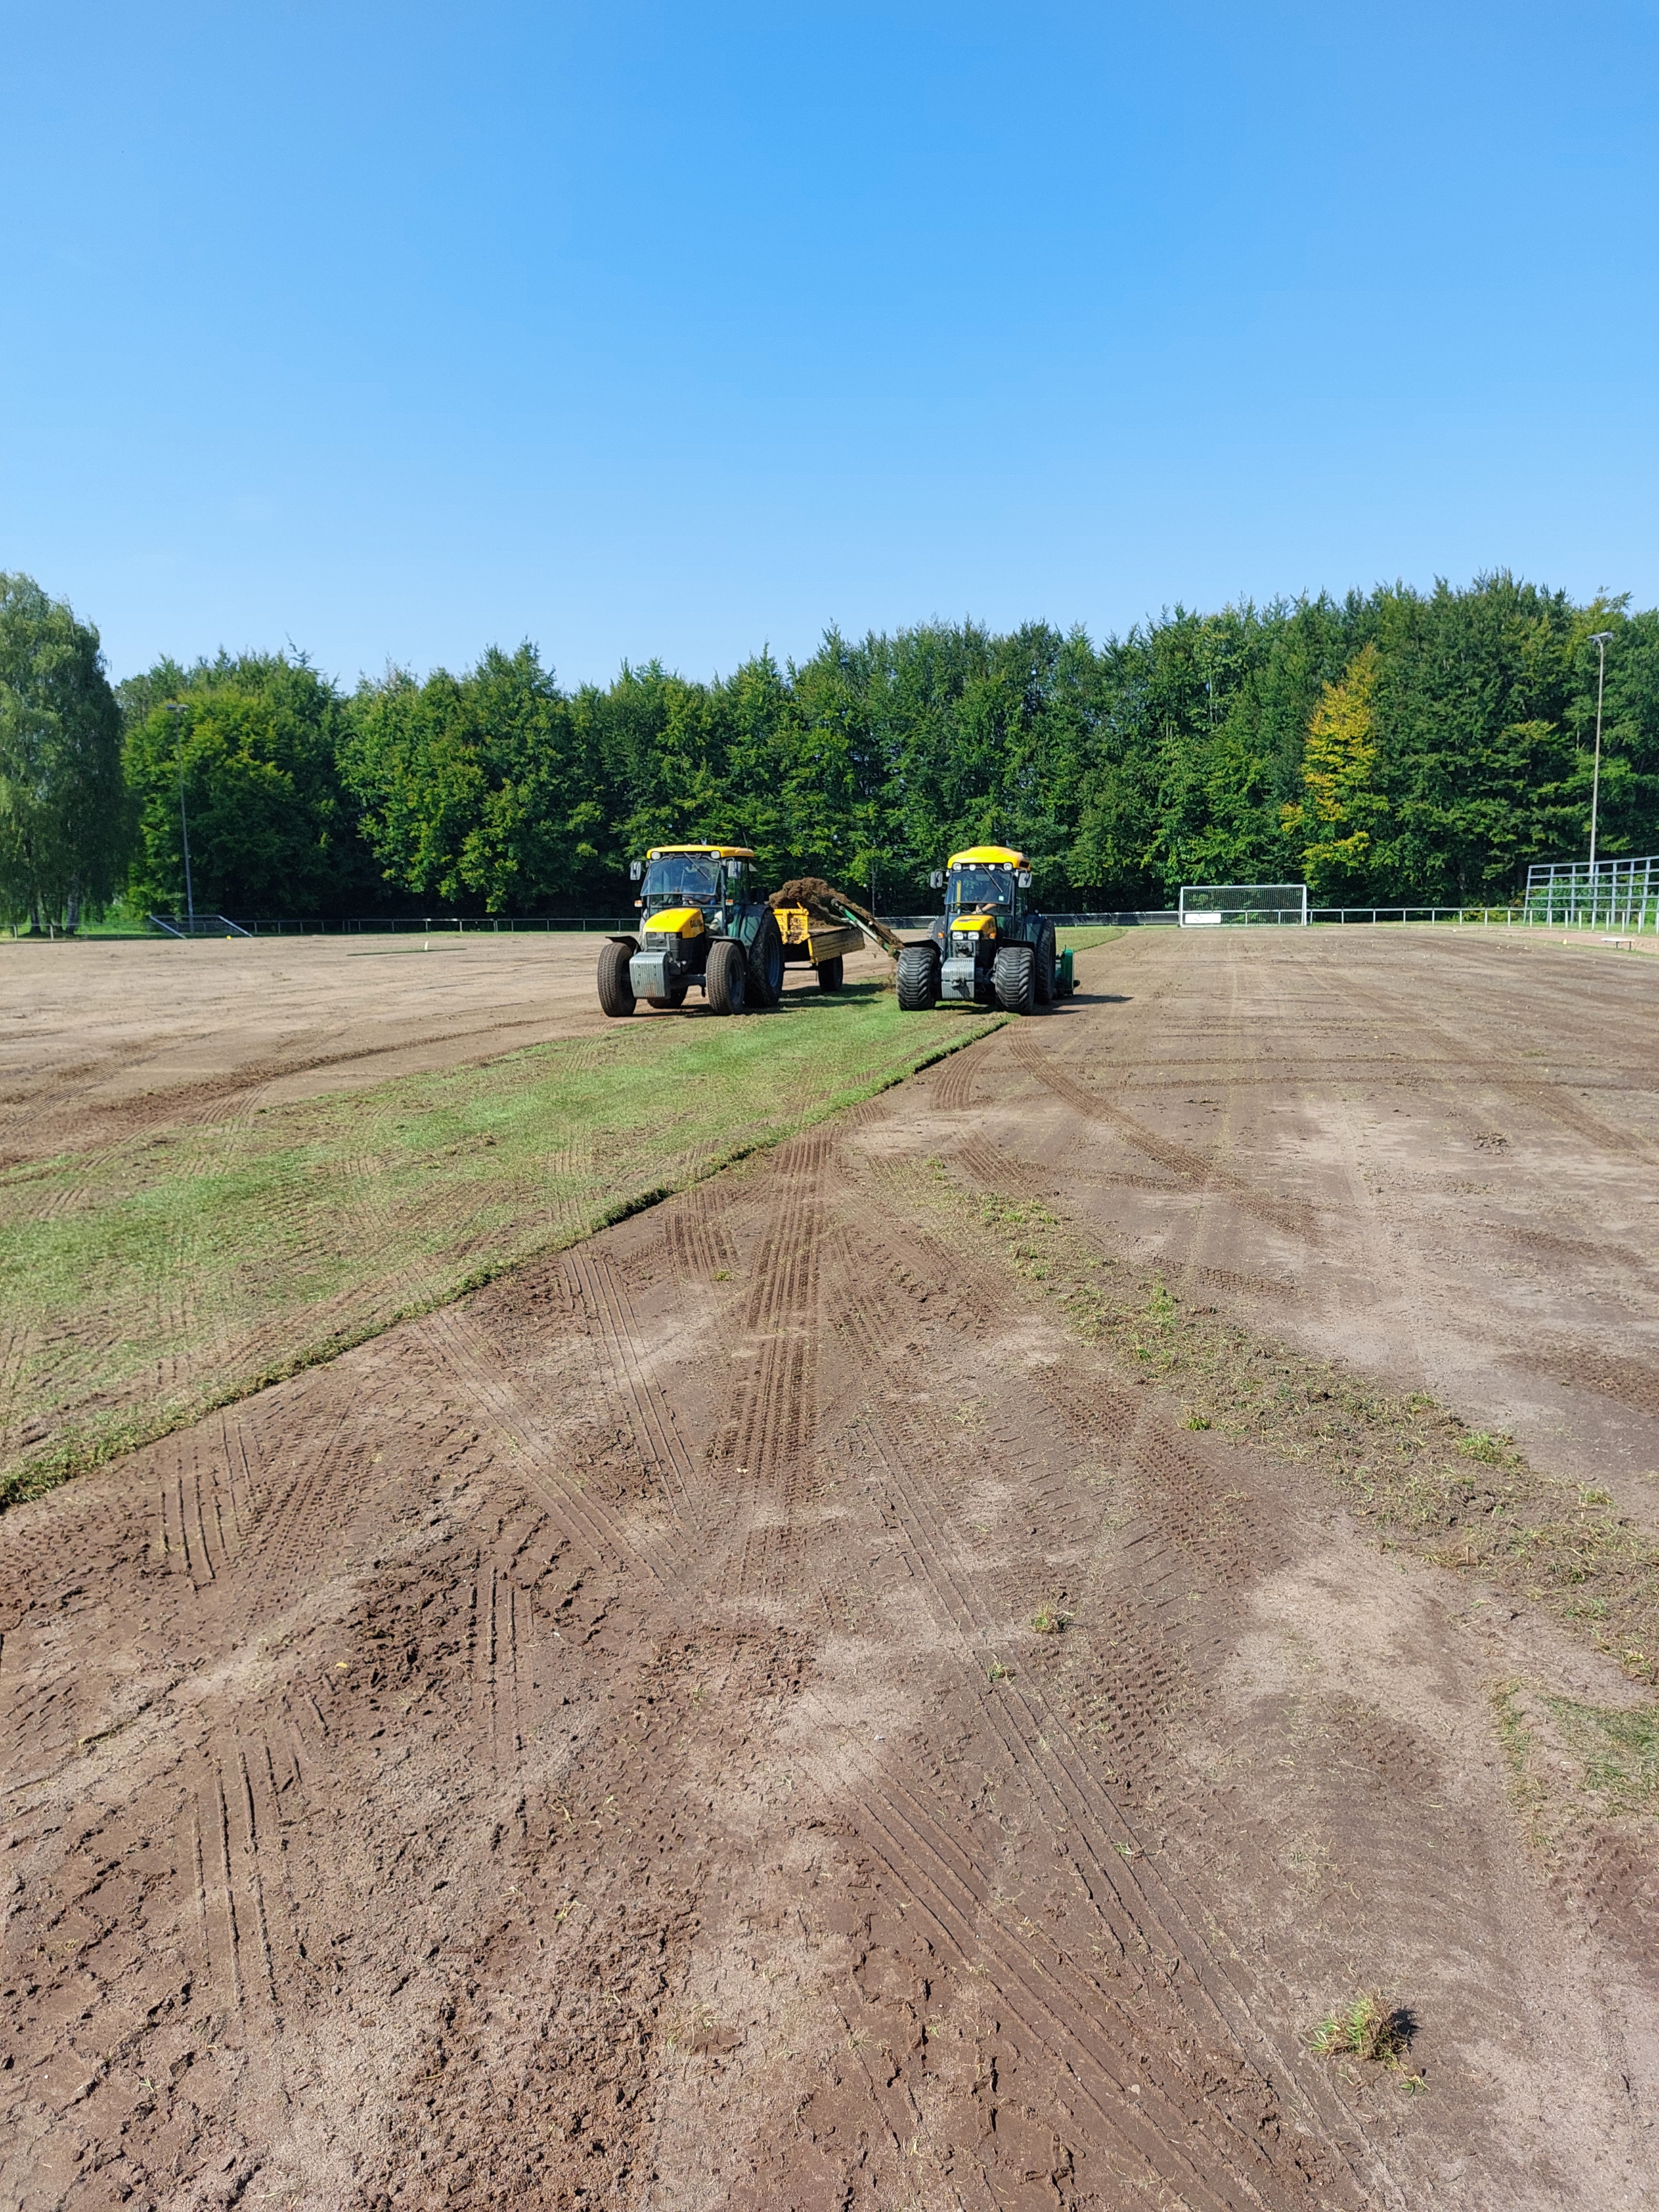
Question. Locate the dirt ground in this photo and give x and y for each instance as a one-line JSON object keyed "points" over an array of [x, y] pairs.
{"points": [[594, 1746], [101, 1037]]}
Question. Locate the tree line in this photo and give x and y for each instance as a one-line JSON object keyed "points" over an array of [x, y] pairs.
{"points": [[1391, 747]]}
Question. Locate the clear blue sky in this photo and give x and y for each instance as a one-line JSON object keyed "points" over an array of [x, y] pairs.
{"points": [[672, 330]]}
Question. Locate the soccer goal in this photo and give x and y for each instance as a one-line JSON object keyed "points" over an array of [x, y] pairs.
{"points": [[1207, 906]]}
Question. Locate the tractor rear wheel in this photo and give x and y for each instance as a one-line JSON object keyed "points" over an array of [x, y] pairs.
{"points": [[1013, 978], [918, 978], [725, 976], [616, 990], [1048, 958], [830, 973], [765, 986]]}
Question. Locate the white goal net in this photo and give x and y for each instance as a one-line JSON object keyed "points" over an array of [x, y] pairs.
{"points": [[1207, 906]]}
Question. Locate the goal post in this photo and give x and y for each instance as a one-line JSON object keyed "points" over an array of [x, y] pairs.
{"points": [[1212, 905]]}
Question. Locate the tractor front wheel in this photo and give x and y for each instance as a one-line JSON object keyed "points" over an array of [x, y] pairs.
{"points": [[616, 988], [1013, 978], [725, 976], [830, 973], [918, 978]]}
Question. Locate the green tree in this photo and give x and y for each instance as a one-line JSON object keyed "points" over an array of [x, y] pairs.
{"points": [[1341, 809], [64, 823], [272, 831], [484, 792]]}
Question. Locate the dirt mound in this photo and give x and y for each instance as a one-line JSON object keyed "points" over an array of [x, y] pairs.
{"points": [[825, 903]]}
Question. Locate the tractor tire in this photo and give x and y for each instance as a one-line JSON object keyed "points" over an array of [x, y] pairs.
{"points": [[1048, 959], [1013, 978], [830, 973], [725, 976], [616, 991], [765, 984], [918, 979]]}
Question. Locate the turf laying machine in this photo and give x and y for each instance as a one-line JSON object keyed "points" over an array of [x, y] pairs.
{"points": [[821, 925], [992, 945], [702, 928]]}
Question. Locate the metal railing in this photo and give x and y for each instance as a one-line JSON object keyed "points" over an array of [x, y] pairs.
{"points": [[1487, 917], [1558, 912], [1622, 894], [197, 925], [496, 924]]}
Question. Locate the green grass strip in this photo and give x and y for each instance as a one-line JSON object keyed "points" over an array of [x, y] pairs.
{"points": [[145, 1284]]}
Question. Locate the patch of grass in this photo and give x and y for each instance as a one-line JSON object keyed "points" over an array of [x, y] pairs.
{"points": [[1049, 1620], [1619, 1747], [1491, 1451], [145, 1284], [1367, 2029], [1084, 941]]}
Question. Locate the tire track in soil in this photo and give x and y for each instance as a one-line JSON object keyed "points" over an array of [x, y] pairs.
{"points": [[758, 1463], [953, 1083], [499, 1397], [1058, 2009], [699, 1245], [1193, 1170], [645, 1406], [1548, 1100], [1190, 1528]]}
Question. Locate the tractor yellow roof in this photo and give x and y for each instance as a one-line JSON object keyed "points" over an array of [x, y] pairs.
{"points": [[716, 852], [987, 856]]}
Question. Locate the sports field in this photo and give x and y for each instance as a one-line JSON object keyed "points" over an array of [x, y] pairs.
{"points": [[915, 1670]]}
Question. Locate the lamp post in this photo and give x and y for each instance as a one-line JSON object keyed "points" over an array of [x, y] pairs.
{"points": [[177, 707]]}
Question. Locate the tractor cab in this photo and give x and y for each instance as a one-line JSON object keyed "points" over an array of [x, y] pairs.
{"points": [[984, 885], [985, 904], [712, 878]]}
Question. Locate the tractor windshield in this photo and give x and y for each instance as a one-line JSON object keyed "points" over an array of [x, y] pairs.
{"points": [[683, 879], [971, 887]]}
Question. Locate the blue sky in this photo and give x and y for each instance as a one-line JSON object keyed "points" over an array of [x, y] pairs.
{"points": [[396, 330]]}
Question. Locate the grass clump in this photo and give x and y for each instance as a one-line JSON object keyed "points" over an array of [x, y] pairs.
{"points": [[1619, 1747], [1366, 2029], [1049, 1620]]}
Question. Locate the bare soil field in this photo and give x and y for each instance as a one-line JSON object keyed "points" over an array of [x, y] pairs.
{"points": [[910, 1674]]}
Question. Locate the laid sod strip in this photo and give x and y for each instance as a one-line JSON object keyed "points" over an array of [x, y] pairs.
{"points": [[1458, 1497], [144, 1285]]}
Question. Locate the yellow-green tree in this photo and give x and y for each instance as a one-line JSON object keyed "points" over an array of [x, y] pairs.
{"points": [[1339, 761]]}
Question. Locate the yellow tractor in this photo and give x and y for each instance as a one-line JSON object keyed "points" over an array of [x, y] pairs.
{"points": [[702, 929], [992, 946]]}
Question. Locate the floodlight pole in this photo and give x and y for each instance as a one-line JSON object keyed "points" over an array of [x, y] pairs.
{"points": [[1601, 639], [175, 707]]}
